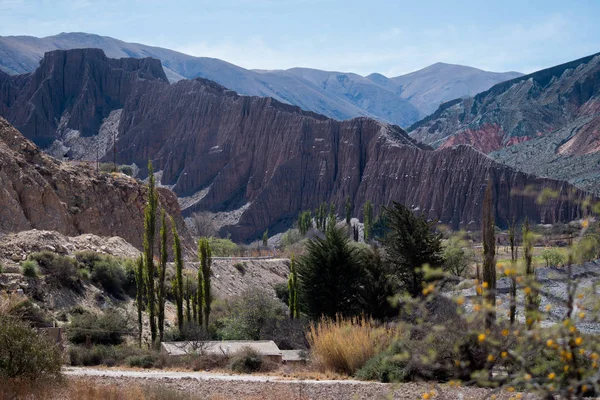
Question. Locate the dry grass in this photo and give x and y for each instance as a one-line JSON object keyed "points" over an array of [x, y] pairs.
{"points": [[344, 345]]}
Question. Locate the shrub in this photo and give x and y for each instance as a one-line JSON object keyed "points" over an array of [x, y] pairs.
{"points": [[282, 292], [110, 275], [290, 237], [241, 267], [83, 274], [106, 328], [1, 269], [553, 257], [344, 345], [26, 353], [222, 247], [29, 268], [61, 268], [457, 255], [141, 361], [246, 361]]}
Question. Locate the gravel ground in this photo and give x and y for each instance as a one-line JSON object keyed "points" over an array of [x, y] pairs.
{"points": [[216, 386]]}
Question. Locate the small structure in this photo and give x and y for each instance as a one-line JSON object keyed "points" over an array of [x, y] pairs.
{"points": [[266, 348], [294, 356]]}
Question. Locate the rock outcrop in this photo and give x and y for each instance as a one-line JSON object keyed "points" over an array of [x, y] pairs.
{"points": [[220, 151], [39, 192]]}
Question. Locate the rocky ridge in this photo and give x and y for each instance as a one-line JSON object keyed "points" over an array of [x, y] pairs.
{"points": [[224, 152]]}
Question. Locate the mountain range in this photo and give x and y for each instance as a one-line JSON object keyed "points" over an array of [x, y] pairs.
{"points": [[546, 123], [256, 158], [400, 100]]}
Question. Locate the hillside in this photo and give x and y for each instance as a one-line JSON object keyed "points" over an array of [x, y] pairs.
{"points": [[260, 159], [39, 192], [401, 100], [546, 123]]}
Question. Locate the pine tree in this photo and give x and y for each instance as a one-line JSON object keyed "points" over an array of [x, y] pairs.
{"points": [[178, 281], [139, 295], [367, 220], [348, 210], [205, 256], [513, 268], [410, 243], [489, 255], [162, 272], [149, 233], [293, 290]]}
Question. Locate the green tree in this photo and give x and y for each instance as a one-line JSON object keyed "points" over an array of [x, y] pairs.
{"points": [[293, 290], [204, 253], [513, 271], [149, 233], [265, 238], [331, 217], [348, 210], [162, 273], [188, 295], [368, 220], [377, 287], [531, 298], [457, 255], [410, 243], [553, 257], [329, 276], [304, 222], [489, 255], [139, 294], [178, 281]]}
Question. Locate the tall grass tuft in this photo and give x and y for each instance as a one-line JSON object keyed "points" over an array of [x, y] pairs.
{"points": [[344, 345]]}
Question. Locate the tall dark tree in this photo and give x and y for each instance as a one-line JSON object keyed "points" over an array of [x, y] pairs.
{"points": [[205, 255], [304, 222], [531, 300], [513, 270], [329, 276], [265, 239], [489, 255], [139, 295], [149, 234], [367, 220], [348, 210], [178, 281], [410, 243], [331, 217], [188, 296], [293, 290], [377, 285], [162, 273]]}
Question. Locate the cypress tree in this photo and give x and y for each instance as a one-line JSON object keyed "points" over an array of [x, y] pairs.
{"points": [[139, 295], [531, 297], [265, 238], [367, 220], [489, 255], [293, 290], [178, 281], [149, 233], [331, 217], [513, 268], [162, 272], [205, 256], [348, 210], [188, 311]]}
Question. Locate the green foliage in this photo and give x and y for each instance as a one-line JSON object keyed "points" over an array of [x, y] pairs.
{"points": [[489, 253], [553, 257], [250, 316], [141, 361], [587, 248], [59, 268], [457, 255], [410, 244], [290, 237], [205, 256], [109, 273], [246, 361], [378, 285], [1, 269], [293, 290], [222, 247], [304, 223], [83, 274], [348, 209], [29, 268], [108, 328], [265, 238], [112, 355], [149, 234], [368, 220], [25, 353], [178, 281], [329, 276], [331, 217], [321, 217], [282, 292], [241, 267], [162, 273]]}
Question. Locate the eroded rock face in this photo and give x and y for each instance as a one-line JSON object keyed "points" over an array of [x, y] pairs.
{"points": [[39, 192], [221, 151], [521, 109]]}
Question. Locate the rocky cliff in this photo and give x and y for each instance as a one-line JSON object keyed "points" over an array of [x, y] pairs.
{"points": [[267, 161], [547, 123], [39, 192]]}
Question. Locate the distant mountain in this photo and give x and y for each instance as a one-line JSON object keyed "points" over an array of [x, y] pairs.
{"points": [[256, 159], [546, 123], [401, 100]]}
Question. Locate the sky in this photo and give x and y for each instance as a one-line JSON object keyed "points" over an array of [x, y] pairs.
{"points": [[391, 37]]}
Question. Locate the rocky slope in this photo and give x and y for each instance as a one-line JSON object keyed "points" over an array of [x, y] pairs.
{"points": [[401, 100], [267, 161], [39, 192], [546, 123]]}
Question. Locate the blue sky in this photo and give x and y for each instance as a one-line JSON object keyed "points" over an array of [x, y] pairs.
{"points": [[390, 37]]}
